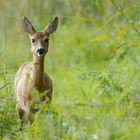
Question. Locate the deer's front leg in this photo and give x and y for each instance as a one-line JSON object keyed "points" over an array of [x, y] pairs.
{"points": [[21, 115]]}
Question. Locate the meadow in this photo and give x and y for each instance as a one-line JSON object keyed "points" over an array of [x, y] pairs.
{"points": [[93, 60]]}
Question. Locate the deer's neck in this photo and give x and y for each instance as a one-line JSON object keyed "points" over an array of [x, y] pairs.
{"points": [[38, 72]]}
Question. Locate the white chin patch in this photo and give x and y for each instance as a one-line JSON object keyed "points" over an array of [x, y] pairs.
{"points": [[40, 55]]}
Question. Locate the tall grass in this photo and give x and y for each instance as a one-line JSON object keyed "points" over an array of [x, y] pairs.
{"points": [[93, 60]]}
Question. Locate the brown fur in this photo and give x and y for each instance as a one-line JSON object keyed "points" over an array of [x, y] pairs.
{"points": [[30, 76]]}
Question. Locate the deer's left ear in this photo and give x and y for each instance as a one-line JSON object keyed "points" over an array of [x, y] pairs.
{"points": [[52, 26], [27, 26]]}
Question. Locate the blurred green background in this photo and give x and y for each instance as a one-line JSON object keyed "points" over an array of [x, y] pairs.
{"points": [[93, 60]]}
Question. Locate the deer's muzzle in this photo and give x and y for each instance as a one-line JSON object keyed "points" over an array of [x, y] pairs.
{"points": [[40, 51]]}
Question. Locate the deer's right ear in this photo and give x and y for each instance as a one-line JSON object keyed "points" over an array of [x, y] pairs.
{"points": [[52, 26], [27, 26]]}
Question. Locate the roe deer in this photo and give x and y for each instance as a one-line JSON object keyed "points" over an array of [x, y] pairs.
{"points": [[30, 75]]}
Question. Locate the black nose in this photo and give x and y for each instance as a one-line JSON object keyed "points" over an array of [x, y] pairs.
{"points": [[41, 51]]}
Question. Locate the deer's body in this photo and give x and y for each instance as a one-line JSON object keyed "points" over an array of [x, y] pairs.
{"points": [[31, 76]]}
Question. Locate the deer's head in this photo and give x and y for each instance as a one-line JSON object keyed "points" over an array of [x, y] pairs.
{"points": [[39, 40]]}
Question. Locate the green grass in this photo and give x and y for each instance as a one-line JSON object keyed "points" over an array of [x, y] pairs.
{"points": [[93, 61]]}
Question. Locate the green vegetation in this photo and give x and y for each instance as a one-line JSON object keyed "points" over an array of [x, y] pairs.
{"points": [[93, 59]]}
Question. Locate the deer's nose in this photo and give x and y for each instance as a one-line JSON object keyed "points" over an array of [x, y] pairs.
{"points": [[40, 51]]}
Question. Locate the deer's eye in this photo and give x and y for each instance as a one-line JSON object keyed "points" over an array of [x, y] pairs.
{"points": [[46, 40], [33, 40]]}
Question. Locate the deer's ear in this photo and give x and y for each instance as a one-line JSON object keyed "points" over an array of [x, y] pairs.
{"points": [[27, 26], [52, 26]]}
